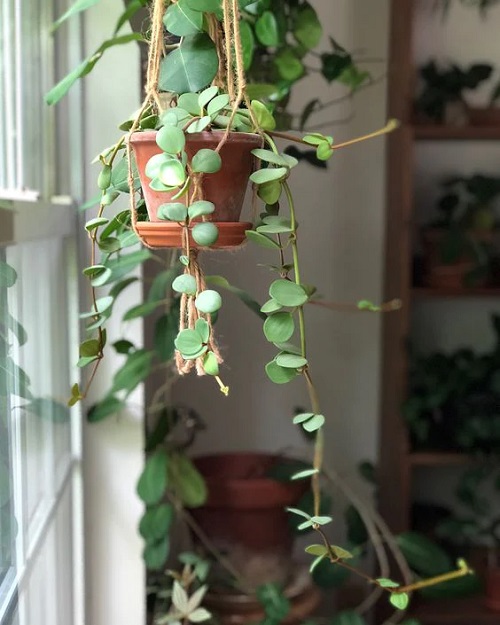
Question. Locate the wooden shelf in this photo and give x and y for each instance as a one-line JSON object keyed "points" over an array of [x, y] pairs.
{"points": [[424, 292], [469, 611], [437, 458], [456, 133]]}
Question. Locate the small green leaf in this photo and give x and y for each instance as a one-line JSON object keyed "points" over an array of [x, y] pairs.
{"points": [[384, 582], [155, 554], [188, 342], [289, 65], [324, 151], [270, 192], [205, 234], [266, 29], [304, 474], [268, 156], [399, 600], [185, 283], [203, 328], [321, 520], [263, 116], [173, 211], [269, 174], [279, 375], [307, 28], [262, 240], [206, 95], [180, 19], [316, 550], [210, 364], [206, 161], [299, 512], [92, 224], [275, 224], [199, 125], [208, 301], [315, 423], [291, 360], [288, 293], [200, 208], [301, 418], [172, 174], [152, 483], [156, 522], [107, 407], [91, 347], [216, 105], [279, 327], [270, 306]]}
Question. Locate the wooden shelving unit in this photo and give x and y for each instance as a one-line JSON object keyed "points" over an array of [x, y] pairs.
{"points": [[398, 464]]}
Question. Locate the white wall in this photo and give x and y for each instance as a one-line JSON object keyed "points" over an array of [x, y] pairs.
{"points": [[113, 455], [341, 238]]}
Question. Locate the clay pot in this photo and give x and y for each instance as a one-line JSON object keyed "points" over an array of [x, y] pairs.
{"points": [[226, 188], [233, 608], [245, 515], [441, 275], [492, 579], [485, 117]]}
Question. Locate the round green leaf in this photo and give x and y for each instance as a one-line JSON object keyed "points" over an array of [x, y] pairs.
{"points": [[180, 19], [279, 375], [207, 95], [217, 104], [314, 423], [202, 327], [186, 481], [208, 302], [291, 360], [206, 161], [210, 364], [279, 327], [247, 43], [270, 306], [399, 600], [185, 284], [289, 66], [200, 124], [188, 342], [173, 211], [324, 151], [207, 6], [156, 522], [275, 224], [205, 234], [191, 67], [153, 482], [155, 554], [200, 208], [307, 29], [266, 29], [269, 174], [262, 240], [172, 174], [171, 139], [288, 293], [104, 178], [263, 116], [269, 192]]}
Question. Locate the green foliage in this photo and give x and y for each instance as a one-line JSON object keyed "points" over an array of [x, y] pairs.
{"points": [[454, 399], [442, 87]]}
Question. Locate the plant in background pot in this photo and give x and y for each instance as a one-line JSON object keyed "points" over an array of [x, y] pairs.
{"points": [[441, 99], [187, 133], [478, 523], [458, 245], [454, 400]]}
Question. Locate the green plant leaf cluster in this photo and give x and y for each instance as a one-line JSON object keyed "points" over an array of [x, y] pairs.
{"points": [[454, 399]]}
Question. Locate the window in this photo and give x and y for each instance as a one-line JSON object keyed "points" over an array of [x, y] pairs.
{"points": [[41, 555]]}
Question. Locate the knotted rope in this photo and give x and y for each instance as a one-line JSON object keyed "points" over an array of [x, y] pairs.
{"points": [[231, 76]]}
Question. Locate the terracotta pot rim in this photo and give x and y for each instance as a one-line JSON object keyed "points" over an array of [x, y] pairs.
{"points": [[234, 136]]}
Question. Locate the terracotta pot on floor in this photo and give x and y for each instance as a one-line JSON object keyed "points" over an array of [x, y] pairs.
{"points": [[245, 515], [226, 188]]}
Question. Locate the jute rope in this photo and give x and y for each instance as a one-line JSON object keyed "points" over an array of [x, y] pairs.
{"points": [[231, 76]]}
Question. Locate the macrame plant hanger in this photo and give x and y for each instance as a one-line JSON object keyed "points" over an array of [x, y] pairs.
{"points": [[230, 76]]}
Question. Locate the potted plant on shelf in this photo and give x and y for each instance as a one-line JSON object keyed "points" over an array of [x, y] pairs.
{"points": [[441, 99], [454, 400], [458, 245], [477, 525], [203, 75]]}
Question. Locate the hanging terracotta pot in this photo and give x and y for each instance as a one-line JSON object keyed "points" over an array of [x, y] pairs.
{"points": [[245, 516], [225, 189]]}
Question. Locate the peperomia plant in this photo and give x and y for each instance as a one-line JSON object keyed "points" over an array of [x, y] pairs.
{"points": [[208, 98]]}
